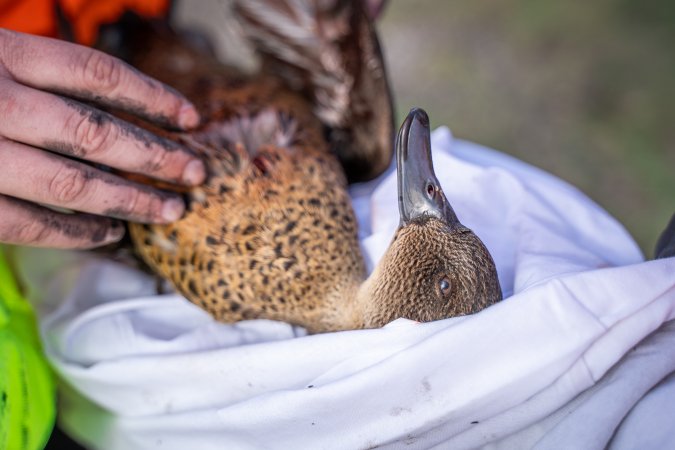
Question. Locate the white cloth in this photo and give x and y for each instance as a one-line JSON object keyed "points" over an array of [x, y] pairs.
{"points": [[146, 371]]}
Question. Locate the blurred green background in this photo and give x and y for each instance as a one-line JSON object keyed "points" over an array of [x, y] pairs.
{"points": [[585, 90]]}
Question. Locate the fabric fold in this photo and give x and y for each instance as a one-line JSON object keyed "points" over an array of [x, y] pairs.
{"points": [[142, 370]]}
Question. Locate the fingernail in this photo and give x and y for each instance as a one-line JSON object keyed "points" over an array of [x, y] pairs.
{"points": [[172, 209], [188, 116], [194, 173], [115, 232]]}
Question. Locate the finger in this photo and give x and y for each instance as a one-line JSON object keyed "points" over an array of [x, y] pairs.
{"points": [[45, 120], [24, 223], [39, 176], [93, 75]]}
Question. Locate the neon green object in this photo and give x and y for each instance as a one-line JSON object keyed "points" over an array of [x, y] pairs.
{"points": [[27, 391]]}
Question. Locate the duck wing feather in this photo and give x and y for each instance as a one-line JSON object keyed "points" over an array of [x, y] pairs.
{"points": [[328, 49]]}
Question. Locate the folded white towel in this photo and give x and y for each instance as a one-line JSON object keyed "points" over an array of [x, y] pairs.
{"points": [[146, 371]]}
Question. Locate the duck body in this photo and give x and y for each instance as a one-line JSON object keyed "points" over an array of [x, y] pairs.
{"points": [[272, 234]]}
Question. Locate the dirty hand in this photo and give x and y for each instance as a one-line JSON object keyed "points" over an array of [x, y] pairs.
{"points": [[38, 124]]}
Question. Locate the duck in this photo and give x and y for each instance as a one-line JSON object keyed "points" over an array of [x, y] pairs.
{"points": [[272, 233]]}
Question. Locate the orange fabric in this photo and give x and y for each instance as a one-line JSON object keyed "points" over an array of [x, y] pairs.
{"points": [[84, 16], [29, 16], [87, 15]]}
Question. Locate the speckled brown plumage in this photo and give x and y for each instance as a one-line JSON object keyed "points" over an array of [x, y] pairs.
{"points": [[421, 255], [272, 233]]}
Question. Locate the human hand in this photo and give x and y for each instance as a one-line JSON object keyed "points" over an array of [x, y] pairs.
{"points": [[38, 123]]}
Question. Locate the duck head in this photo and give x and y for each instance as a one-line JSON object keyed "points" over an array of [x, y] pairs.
{"points": [[435, 267]]}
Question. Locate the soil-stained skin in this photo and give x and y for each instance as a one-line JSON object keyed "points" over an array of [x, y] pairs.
{"points": [[83, 226], [100, 118]]}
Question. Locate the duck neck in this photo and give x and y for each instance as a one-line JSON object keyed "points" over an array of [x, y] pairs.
{"points": [[341, 311], [354, 305], [366, 303]]}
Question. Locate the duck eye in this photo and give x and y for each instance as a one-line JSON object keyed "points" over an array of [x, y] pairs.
{"points": [[444, 285], [431, 190]]}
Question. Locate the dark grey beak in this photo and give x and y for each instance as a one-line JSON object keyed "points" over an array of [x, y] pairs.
{"points": [[419, 192]]}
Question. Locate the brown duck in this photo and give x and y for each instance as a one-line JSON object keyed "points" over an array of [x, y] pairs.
{"points": [[272, 233]]}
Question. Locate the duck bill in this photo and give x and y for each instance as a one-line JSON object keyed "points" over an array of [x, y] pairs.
{"points": [[419, 193]]}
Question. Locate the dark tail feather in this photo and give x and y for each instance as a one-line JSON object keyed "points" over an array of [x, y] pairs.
{"points": [[329, 50], [665, 246]]}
